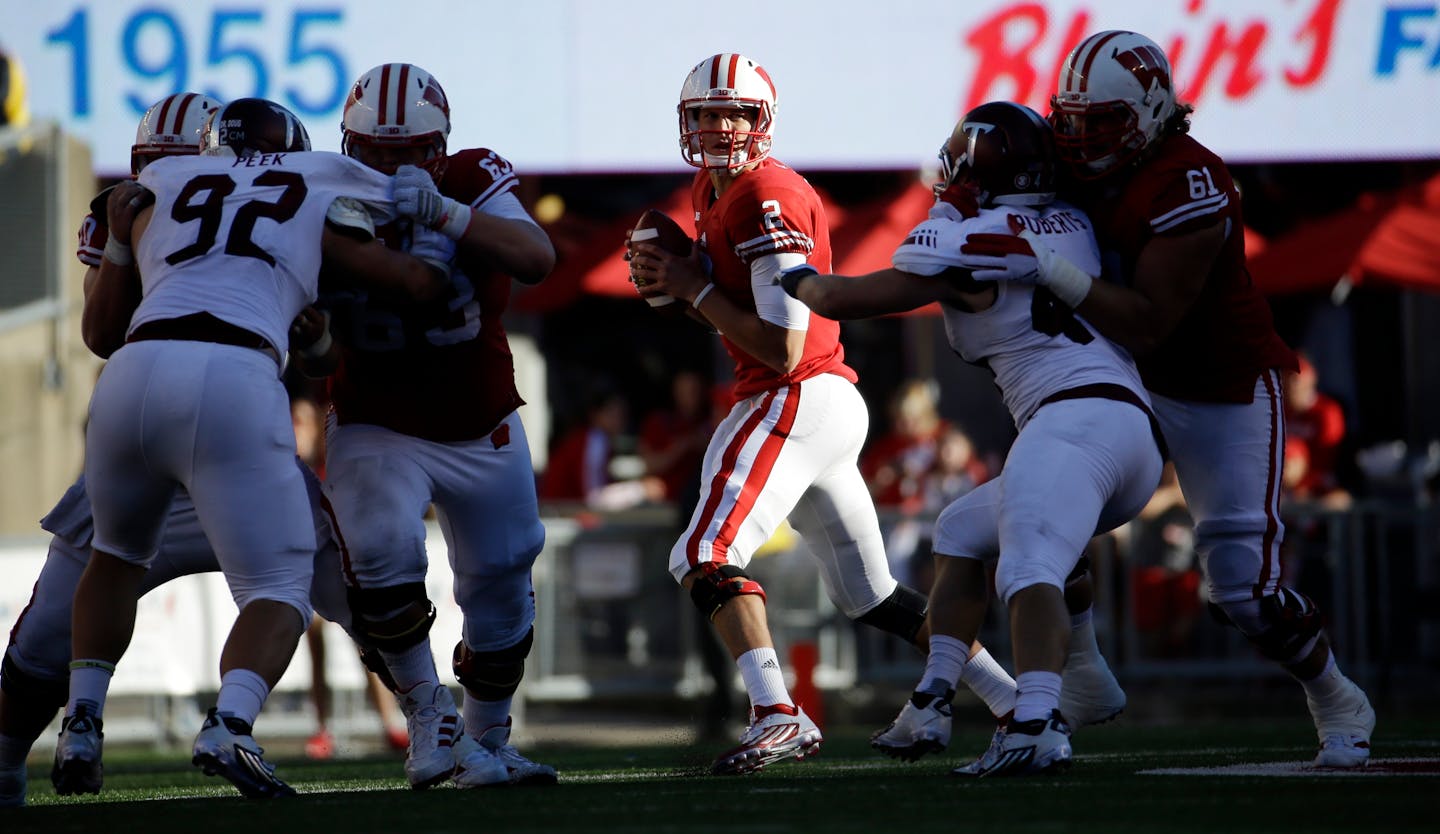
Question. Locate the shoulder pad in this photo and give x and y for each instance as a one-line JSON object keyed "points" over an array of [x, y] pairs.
{"points": [[351, 216]]}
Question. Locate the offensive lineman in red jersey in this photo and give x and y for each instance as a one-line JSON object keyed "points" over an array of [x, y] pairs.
{"points": [[425, 412], [1167, 216], [790, 443]]}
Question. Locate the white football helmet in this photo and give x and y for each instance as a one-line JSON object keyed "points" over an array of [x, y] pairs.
{"points": [[1115, 95], [170, 127], [727, 80], [398, 104]]}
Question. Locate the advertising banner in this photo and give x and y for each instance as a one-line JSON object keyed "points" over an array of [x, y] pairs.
{"points": [[591, 85]]}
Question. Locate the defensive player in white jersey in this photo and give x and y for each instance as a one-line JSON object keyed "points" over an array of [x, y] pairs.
{"points": [[1178, 294], [1087, 457], [35, 672], [425, 413], [36, 667], [224, 260]]}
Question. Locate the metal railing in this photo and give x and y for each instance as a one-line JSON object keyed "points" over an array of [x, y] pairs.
{"points": [[613, 622]]}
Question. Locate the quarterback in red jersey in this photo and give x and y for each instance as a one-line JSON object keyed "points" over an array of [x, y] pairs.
{"points": [[425, 412], [791, 442], [1179, 297]]}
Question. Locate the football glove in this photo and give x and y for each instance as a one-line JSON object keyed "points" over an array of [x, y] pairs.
{"points": [[416, 196], [432, 247], [1025, 258]]}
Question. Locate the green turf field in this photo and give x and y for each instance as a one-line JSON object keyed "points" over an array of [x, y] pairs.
{"points": [[847, 789]]}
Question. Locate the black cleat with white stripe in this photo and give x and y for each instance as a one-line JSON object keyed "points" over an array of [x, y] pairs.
{"points": [[225, 748]]}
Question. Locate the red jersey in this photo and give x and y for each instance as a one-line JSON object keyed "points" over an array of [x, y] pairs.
{"points": [[767, 210], [661, 431], [579, 463], [439, 370], [1315, 434], [1227, 338]]}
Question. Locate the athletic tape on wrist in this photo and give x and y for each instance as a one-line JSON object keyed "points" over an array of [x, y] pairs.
{"points": [[118, 253], [455, 219]]}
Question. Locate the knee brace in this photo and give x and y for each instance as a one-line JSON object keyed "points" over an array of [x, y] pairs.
{"points": [[392, 619], [1283, 626], [902, 613], [716, 585], [36, 692], [492, 676]]}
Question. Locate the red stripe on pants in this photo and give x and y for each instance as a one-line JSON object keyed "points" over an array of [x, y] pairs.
{"points": [[754, 480]]}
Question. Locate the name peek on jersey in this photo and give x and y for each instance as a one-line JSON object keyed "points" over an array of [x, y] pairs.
{"points": [[1058, 223]]}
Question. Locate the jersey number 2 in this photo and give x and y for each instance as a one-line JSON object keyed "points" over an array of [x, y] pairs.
{"points": [[209, 212]]}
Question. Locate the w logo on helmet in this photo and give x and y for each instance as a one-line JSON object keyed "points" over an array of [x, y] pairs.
{"points": [[436, 96], [1147, 64]]}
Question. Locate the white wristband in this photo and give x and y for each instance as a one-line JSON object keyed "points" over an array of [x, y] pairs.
{"points": [[118, 253], [455, 220], [1069, 282], [700, 296]]}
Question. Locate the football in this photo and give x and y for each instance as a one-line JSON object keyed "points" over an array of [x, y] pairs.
{"points": [[659, 228]]}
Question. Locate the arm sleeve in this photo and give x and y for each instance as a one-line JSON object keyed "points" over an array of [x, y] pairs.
{"points": [[772, 303]]}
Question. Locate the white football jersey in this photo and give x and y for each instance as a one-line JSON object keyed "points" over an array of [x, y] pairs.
{"points": [[1031, 341], [240, 238]]}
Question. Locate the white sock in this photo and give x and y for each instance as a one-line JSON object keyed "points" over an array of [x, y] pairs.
{"points": [[990, 682], [89, 683], [415, 665], [242, 694], [482, 715], [1036, 694], [1326, 685], [1082, 635], [944, 665], [13, 752], [763, 677]]}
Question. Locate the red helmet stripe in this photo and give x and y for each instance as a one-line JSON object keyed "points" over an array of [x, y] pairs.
{"points": [[730, 71], [1099, 41], [180, 114], [400, 93], [715, 71], [164, 111], [760, 71], [384, 93]]}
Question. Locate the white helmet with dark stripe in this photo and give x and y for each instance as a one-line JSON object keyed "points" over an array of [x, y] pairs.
{"points": [[1115, 96], [727, 80], [398, 105], [170, 127]]}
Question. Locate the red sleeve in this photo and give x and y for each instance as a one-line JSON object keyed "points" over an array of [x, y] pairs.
{"points": [[477, 175], [1188, 191], [771, 216]]}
